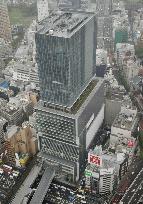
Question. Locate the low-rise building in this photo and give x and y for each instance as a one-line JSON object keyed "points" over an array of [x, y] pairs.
{"points": [[123, 49], [113, 102], [21, 141], [136, 85], [124, 125], [17, 108], [123, 130], [101, 57], [101, 62], [116, 97], [11, 112], [130, 69], [104, 170], [23, 70]]}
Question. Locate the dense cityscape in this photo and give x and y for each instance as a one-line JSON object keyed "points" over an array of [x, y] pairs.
{"points": [[71, 101]]}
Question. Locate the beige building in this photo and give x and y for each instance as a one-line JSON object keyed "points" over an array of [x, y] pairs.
{"points": [[27, 143], [5, 30], [20, 140], [130, 69]]}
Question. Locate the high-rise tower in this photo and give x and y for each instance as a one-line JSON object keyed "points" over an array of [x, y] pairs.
{"points": [[5, 30], [43, 9], [66, 53], [72, 100]]}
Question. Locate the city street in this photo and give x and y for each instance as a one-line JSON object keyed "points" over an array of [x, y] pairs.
{"points": [[135, 191], [132, 173]]}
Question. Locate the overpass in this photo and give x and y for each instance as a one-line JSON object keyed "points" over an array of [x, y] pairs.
{"points": [[25, 187], [43, 186]]}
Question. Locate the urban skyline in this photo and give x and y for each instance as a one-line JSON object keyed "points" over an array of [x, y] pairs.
{"points": [[71, 102]]}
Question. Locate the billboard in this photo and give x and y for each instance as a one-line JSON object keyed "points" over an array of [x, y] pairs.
{"points": [[94, 159]]}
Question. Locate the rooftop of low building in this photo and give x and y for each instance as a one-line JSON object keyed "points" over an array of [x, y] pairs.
{"points": [[15, 103], [115, 93], [2, 121], [125, 119]]}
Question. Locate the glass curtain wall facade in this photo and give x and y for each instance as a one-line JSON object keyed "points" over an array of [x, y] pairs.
{"points": [[66, 64]]}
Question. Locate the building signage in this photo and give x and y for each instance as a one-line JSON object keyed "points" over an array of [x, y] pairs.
{"points": [[88, 173], [130, 143], [94, 159], [106, 171]]}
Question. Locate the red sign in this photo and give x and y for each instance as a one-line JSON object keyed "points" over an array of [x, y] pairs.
{"points": [[94, 159], [130, 143]]}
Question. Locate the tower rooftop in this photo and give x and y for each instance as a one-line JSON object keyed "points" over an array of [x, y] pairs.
{"points": [[63, 24]]}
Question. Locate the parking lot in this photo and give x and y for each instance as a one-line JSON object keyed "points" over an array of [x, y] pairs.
{"points": [[127, 180]]}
